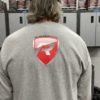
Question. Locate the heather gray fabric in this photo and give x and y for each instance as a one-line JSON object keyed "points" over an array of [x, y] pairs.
{"points": [[24, 77]]}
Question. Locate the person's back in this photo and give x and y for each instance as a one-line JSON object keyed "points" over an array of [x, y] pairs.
{"points": [[56, 79], [45, 61]]}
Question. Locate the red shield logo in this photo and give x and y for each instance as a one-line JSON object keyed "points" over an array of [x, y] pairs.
{"points": [[46, 48]]}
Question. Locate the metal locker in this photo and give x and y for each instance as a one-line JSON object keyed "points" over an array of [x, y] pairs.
{"points": [[87, 27], [2, 28], [16, 21], [98, 30], [69, 20]]}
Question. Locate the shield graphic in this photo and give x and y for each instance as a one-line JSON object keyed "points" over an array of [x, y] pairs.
{"points": [[46, 48]]}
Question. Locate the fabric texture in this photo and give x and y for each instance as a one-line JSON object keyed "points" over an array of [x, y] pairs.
{"points": [[24, 77]]}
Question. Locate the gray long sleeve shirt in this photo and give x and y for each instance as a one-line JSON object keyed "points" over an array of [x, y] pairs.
{"points": [[25, 76]]}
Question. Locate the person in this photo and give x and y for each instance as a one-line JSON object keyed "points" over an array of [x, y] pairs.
{"points": [[45, 60]]}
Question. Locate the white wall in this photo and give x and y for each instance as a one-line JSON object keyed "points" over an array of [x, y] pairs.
{"points": [[95, 57]]}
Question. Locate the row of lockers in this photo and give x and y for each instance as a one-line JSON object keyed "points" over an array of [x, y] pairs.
{"points": [[90, 28], [19, 20], [89, 25]]}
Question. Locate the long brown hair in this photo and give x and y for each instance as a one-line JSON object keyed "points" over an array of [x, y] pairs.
{"points": [[44, 10]]}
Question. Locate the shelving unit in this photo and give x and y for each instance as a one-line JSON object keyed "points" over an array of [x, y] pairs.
{"points": [[85, 23]]}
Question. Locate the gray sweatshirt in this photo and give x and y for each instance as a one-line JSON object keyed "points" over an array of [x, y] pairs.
{"points": [[45, 61]]}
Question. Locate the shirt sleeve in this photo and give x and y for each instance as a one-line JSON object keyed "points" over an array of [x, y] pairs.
{"points": [[84, 83], [5, 85]]}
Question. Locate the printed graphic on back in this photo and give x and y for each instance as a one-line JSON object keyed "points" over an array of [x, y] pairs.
{"points": [[46, 48]]}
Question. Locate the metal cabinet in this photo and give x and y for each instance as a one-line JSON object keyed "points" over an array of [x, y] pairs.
{"points": [[69, 20], [16, 21], [98, 29], [87, 27], [2, 28], [90, 28], [19, 20]]}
